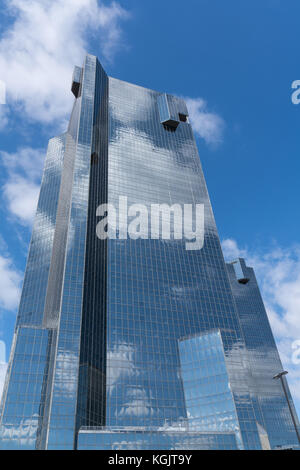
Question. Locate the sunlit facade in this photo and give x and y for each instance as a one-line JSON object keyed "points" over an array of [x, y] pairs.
{"points": [[135, 343]]}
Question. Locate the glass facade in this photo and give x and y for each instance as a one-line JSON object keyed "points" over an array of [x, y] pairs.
{"points": [[263, 361], [208, 396], [133, 342], [137, 439]]}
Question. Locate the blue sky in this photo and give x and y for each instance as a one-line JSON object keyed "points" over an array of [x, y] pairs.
{"points": [[234, 62]]}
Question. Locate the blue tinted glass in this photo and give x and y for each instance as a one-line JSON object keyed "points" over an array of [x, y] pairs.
{"points": [[135, 343]]}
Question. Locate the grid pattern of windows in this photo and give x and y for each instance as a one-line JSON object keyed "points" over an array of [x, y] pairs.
{"points": [[135, 439], [119, 333], [38, 264], [158, 292], [208, 397], [263, 360], [62, 420], [92, 369], [21, 414], [25, 396]]}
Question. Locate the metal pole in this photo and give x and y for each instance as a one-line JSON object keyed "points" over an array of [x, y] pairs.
{"points": [[290, 408]]}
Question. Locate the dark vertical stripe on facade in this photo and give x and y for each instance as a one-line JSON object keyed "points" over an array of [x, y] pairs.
{"points": [[92, 373]]}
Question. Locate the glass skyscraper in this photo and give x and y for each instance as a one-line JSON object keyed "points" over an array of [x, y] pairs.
{"points": [[135, 343]]}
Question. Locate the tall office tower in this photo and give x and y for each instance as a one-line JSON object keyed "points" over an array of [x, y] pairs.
{"points": [[262, 359], [135, 342]]}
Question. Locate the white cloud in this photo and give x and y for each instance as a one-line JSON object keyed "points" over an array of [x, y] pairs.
{"points": [[3, 368], [278, 275], [39, 49], [231, 250], [21, 189], [2, 92], [3, 116], [2, 352], [138, 404], [65, 373], [208, 126], [120, 354], [22, 196], [26, 160], [10, 284], [23, 434]]}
